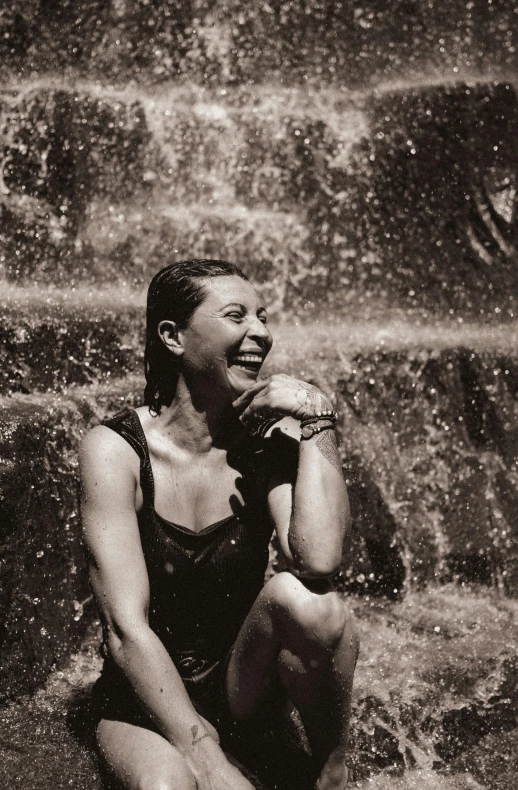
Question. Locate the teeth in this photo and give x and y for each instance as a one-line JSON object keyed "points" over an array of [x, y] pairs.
{"points": [[249, 358]]}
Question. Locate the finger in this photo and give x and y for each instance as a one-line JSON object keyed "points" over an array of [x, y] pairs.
{"points": [[243, 402], [244, 399], [256, 411]]}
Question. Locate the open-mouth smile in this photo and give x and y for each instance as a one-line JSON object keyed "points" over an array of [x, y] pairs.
{"points": [[250, 362]]}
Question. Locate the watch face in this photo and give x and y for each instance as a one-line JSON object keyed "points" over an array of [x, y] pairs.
{"points": [[306, 432]]}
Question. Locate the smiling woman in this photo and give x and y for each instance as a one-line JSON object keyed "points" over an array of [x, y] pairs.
{"points": [[180, 499], [174, 295]]}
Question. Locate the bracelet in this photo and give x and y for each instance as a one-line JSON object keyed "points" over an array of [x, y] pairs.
{"points": [[307, 431], [320, 415]]}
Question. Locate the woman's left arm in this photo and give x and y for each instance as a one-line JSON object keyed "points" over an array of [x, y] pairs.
{"points": [[311, 512]]}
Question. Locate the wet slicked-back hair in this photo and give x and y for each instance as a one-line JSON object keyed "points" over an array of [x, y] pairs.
{"points": [[173, 295]]}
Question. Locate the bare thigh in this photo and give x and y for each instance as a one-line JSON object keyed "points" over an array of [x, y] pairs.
{"points": [[252, 683], [284, 638], [141, 759]]}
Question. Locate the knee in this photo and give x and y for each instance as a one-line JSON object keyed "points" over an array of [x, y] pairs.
{"points": [[316, 611]]}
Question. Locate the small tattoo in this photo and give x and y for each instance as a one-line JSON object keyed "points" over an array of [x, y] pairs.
{"points": [[326, 443], [194, 732], [309, 396]]}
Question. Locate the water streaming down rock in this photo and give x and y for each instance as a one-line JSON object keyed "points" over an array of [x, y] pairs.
{"points": [[356, 43], [325, 201], [339, 205]]}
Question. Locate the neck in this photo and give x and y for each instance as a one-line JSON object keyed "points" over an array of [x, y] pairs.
{"points": [[198, 422]]}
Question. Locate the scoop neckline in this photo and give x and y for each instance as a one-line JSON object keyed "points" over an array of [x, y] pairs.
{"points": [[180, 527], [205, 530]]}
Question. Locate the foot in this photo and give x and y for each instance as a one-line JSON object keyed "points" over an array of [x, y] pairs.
{"points": [[333, 777]]}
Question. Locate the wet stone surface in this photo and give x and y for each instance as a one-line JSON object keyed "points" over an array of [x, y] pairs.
{"points": [[51, 350], [225, 42], [320, 197], [428, 442], [437, 673], [45, 600], [430, 461]]}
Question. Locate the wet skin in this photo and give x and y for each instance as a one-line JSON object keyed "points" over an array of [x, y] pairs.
{"points": [[295, 632], [231, 321]]}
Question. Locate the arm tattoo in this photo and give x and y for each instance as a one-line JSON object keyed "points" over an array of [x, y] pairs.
{"points": [[194, 732], [326, 443], [311, 397]]}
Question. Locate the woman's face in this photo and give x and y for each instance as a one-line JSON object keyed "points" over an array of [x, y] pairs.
{"points": [[227, 339]]}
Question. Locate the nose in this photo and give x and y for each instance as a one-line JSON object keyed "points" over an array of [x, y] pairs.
{"points": [[259, 331]]}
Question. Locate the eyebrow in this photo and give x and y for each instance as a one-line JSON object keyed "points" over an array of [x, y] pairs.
{"points": [[242, 307]]}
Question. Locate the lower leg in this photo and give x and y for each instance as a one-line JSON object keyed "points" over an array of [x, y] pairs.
{"points": [[302, 630], [318, 678]]}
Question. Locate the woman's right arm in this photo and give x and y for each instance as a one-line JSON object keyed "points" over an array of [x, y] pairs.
{"points": [[118, 574]]}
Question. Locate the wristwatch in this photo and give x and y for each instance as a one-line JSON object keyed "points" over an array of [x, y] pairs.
{"points": [[309, 430]]}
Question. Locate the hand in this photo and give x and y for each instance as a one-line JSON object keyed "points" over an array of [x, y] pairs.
{"points": [[213, 771], [333, 777], [283, 395]]}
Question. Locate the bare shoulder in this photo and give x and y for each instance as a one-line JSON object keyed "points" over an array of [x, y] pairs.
{"points": [[101, 442], [145, 415], [104, 453]]}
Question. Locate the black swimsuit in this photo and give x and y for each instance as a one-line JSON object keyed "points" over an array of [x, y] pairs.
{"points": [[202, 584]]}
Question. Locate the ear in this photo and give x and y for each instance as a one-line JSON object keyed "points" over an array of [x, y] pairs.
{"points": [[171, 337]]}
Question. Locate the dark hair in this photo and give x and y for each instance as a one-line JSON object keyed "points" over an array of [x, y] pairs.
{"points": [[174, 294]]}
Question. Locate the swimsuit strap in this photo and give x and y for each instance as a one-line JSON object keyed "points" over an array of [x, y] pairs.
{"points": [[127, 424]]}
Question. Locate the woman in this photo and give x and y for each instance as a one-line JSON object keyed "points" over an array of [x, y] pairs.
{"points": [[180, 498]]}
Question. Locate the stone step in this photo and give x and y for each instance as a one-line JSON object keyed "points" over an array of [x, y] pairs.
{"points": [[429, 442], [66, 149], [430, 446], [439, 212], [273, 247], [434, 678], [52, 339], [228, 43], [347, 199]]}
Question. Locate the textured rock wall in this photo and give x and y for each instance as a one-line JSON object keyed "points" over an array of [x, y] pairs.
{"points": [[405, 198], [224, 41], [434, 679], [42, 351], [429, 446], [437, 200], [45, 600], [61, 149], [429, 441]]}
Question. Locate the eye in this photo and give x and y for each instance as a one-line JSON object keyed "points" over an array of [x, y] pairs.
{"points": [[235, 316], [263, 318]]}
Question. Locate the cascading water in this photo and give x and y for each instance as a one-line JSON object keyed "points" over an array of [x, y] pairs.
{"points": [[360, 163]]}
